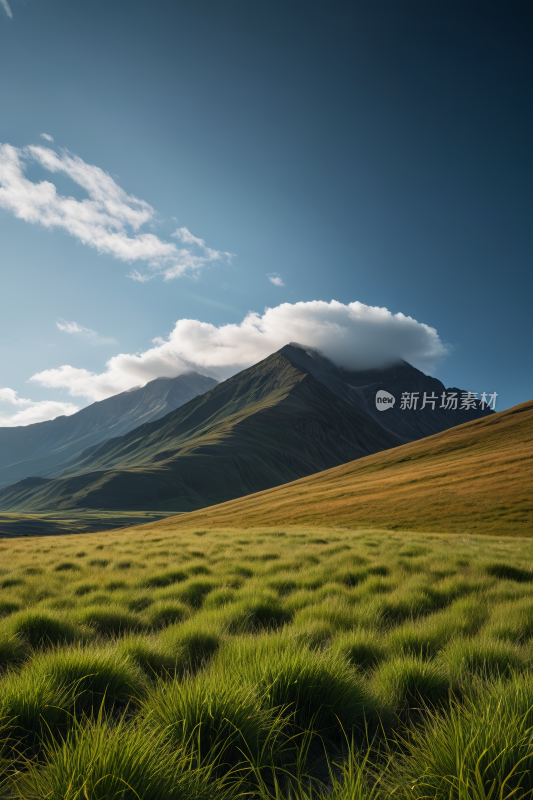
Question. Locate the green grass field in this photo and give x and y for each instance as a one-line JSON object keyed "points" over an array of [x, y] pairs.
{"points": [[266, 663]]}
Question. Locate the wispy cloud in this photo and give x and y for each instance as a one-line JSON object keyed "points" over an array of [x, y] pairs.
{"points": [[73, 327], [5, 6], [355, 336], [80, 330], [109, 219], [32, 411], [275, 279], [135, 275], [47, 137]]}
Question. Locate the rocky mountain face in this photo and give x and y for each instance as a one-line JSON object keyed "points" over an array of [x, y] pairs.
{"points": [[45, 447], [414, 421], [289, 416]]}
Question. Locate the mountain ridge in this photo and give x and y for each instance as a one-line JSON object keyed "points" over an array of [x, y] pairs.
{"points": [[284, 418], [213, 447], [40, 448]]}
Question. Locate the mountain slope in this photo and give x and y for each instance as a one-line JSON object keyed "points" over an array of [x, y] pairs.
{"points": [[266, 425], [360, 388], [45, 447], [474, 478], [289, 416]]}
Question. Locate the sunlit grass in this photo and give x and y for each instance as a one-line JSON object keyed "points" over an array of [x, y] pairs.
{"points": [[249, 664]]}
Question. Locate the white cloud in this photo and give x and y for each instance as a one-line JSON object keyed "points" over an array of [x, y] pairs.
{"points": [[135, 275], [10, 396], [5, 6], [108, 220], [33, 411], [354, 336], [276, 280], [73, 327], [185, 236], [47, 137], [87, 333]]}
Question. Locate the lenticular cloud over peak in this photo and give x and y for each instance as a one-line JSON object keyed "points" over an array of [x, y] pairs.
{"points": [[354, 336]]}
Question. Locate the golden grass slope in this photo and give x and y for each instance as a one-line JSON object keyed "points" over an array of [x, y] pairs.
{"points": [[475, 478]]}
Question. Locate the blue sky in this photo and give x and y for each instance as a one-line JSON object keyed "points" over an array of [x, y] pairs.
{"points": [[369, 153]]}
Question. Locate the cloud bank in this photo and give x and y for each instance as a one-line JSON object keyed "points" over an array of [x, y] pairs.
{"points": [[32, 411], [355, 336], [109, 220]]}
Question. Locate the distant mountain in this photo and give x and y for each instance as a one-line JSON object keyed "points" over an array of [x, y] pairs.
{"points": [[289, 416], [45, 447], [472, 479]]}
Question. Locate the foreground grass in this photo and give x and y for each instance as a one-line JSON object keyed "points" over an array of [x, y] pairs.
{"points": [[268, 663]]}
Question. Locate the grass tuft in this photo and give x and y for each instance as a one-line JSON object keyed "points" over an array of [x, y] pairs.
{"points": [[480, 750], [508, 572], [212, 716], [13, 650], [8, 607], [43, 629], [67, 566], [485, 657], [163, 614], [362, 649], [404, 683], [150, 655], [193, 593], [122, 761], [110, 621], [191, 646], [319, 688], [164, 579]]}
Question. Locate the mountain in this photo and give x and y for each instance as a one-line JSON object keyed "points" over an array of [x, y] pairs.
{"points": [[360, 388], [45, 447], [289, 416], [472, 479]]}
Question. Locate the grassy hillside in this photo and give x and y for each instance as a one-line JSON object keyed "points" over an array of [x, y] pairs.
{"points": [[267, 663], [265, 426], [475, 478]]}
